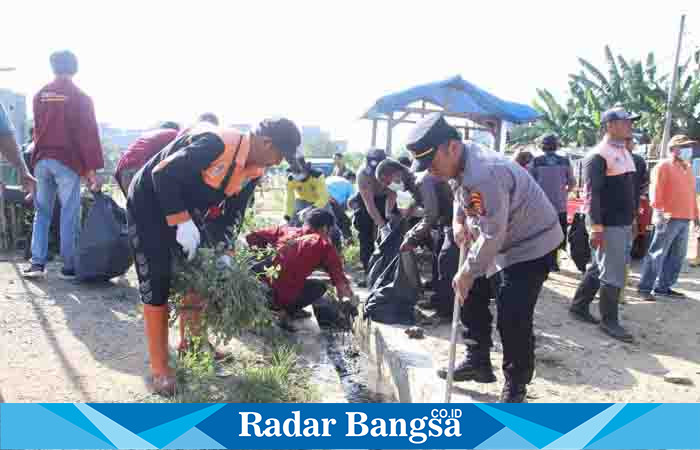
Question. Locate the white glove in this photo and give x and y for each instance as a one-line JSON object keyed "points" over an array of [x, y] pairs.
{"points": [[241, 243], [187, 236], [385, 231]]}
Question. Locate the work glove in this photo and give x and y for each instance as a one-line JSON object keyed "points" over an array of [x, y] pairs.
{"points": [[188, 237], [385, 231]]}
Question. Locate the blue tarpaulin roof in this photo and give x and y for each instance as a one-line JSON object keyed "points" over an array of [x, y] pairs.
{"points": [[455, 96]]}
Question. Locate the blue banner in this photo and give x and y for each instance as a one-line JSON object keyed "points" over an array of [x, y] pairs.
{"points": [[349, 426]]}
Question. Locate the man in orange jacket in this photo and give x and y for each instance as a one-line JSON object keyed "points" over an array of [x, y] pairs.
{"points": [[200, 169]]}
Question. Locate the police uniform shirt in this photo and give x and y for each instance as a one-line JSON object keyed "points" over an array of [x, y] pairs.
{"points": [[514, 219]]}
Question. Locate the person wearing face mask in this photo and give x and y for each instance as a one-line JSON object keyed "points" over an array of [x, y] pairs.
{"points": [[610, 175], [372, 205], [198, 170], [306, 187], [675, 206]]}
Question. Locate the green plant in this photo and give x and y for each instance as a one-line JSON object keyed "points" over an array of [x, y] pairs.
{"points": [[278, 375]]}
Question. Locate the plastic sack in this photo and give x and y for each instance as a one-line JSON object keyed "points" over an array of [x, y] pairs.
{"points": [[579, 247], [103, 246], [393, 280]]}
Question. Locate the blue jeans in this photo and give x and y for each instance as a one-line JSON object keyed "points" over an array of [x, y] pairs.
{"points": [[55, 178], [663, 262]]}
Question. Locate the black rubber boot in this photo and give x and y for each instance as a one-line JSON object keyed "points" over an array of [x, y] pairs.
{"points": [[514, 393], [475, 367], [583, 298], [609, 323]]}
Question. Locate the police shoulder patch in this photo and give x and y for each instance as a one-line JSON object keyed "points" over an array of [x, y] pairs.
{"points": [[474, 204]]}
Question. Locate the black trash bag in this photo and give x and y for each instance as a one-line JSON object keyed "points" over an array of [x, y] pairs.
{"points": [[579, 246], [394, 283], [103, 247]]}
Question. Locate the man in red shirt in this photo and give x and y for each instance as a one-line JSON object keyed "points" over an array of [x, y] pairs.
{"points": [[300, 251], [143, 149], [66, 148]]}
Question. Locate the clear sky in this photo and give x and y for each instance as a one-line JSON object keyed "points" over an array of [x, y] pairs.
{"points": [[320, 62]]}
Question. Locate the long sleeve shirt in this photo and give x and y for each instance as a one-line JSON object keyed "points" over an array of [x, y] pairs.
{"points": [[312, 190], [144, 148], [512, 216], [299, 251], [437, 200], [65, 128], [673, 190], [609, 175]]}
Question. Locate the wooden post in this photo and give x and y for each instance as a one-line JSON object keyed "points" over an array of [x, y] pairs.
{"points": [[374, 132], [497, 135], [671, 93], [389, 130]]}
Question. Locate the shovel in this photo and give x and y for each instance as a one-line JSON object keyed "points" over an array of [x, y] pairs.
{"points": [[453, 334]]}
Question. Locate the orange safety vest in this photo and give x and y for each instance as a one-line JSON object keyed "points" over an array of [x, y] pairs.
{"points": [[229, 167]]}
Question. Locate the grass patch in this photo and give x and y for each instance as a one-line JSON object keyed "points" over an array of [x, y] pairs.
{"points": [[273, 373]]}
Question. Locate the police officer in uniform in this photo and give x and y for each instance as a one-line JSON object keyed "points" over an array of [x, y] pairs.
{"points": [[201, 168], [510, 228]]}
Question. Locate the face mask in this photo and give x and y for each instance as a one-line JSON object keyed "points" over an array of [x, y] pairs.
{"points": [[686, 154], [396, 187]]}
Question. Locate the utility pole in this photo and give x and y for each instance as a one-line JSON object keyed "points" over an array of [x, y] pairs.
{"points": [[671, 93]]}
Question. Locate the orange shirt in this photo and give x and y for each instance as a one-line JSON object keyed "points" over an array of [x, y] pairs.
{"points": [[673, 190]]}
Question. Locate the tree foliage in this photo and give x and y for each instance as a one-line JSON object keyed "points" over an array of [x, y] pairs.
{"points": [[632, 84]]}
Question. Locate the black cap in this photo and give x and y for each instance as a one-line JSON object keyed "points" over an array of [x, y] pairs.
{"points": [[617, 113], [549, 140], [425, 137], [285, 136], [374, 157]]}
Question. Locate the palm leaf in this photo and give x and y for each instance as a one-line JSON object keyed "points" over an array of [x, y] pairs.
{"points": [[651, 67], [604, 84]]}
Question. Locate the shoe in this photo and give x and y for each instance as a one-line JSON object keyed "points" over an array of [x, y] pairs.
{"points": [[427, 305], [162, 380], [583, 315], [299, 314], [609, 314], [647, 296], [286, 326], [68, 275], [34, 271], [475, 367], [514, 393], [670, 293]]}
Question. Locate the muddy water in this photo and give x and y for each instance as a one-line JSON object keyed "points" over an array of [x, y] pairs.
{"points": [[340, 370]]}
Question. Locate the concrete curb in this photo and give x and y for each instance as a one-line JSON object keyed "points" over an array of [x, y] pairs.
{"points": [[409, 374]]}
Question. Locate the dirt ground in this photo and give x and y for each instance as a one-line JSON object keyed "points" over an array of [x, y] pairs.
{"points": [[62, 342], [576, 362]]}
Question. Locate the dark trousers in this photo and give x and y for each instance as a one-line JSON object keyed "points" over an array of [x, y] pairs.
{"points": [[517, 289], [312, 292], [563, 221], [446, 268], [367, 230]]}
